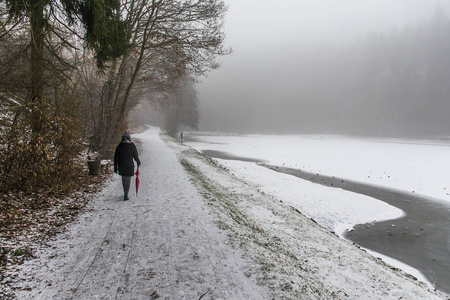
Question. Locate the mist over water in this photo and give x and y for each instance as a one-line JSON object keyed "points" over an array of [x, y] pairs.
{"points": [[377, 68]]}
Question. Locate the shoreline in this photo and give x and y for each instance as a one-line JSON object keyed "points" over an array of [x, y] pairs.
{"points": [[413, 239], [414, 205]]}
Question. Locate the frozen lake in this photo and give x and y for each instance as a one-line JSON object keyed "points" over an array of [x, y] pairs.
{"points": [[410, 225]]}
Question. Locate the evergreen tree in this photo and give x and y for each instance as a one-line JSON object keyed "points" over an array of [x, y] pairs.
{"points": [[105, 33], [41, 141]]}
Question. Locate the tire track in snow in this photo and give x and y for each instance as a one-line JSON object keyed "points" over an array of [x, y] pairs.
{"points": [[75, 290], [130, 247]]}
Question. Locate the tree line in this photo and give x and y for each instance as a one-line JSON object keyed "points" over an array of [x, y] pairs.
{"points": [[393, 83], [72, 70]]}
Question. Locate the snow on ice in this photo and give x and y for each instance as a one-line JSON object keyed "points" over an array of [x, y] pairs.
{"points": [[421, 167]]}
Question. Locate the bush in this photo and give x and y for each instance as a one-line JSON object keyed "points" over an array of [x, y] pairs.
{"points": [[39, 159]]}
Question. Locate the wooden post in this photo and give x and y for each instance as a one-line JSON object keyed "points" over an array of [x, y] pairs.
{"points": [[181, 138]]}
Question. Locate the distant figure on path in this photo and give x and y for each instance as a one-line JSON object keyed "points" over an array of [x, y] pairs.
{"points": [[123, 162]]}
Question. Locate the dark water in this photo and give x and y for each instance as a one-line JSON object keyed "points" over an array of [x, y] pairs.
{"points": [[420, 239], [229, 156]]}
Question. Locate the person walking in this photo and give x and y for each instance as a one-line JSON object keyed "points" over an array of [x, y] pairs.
{"points": [[123, 162]]}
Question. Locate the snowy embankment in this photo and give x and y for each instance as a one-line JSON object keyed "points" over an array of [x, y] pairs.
{"points": [[197, 231], [420, 167], [301, 254]]}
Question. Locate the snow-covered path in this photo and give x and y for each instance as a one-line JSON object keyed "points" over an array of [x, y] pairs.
{"points": [[196, 231], [161, 244]]}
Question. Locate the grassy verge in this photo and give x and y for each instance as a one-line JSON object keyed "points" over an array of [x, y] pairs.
{"points": [[274, 265]]}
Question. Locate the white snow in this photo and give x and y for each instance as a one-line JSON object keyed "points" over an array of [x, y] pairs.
{"points": [[422, 167], [161, 244], [200, 230], [416, 166]]}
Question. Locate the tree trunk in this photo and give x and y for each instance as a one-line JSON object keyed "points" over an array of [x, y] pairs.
{"points": [[37, 65]]}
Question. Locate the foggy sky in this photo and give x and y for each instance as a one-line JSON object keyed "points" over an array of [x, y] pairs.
{"points": [[273, 42]]}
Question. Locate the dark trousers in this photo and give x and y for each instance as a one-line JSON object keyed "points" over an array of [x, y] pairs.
{"points": [[126, 182]]}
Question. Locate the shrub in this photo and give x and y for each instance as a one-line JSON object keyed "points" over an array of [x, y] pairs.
{"points": [[43, 159]]}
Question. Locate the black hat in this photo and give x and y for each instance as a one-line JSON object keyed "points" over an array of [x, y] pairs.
{"points": [[126, 136]]}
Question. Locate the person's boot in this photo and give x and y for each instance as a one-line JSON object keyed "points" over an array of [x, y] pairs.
{"points": [[125, 198]]}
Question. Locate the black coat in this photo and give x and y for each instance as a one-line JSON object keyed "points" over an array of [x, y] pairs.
{"points": [[123, 158]]}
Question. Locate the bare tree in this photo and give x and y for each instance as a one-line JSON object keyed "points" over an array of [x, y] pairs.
{"points": [[172, 41]]}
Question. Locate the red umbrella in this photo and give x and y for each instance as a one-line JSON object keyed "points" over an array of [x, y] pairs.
{"points": [[137, 181]]}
